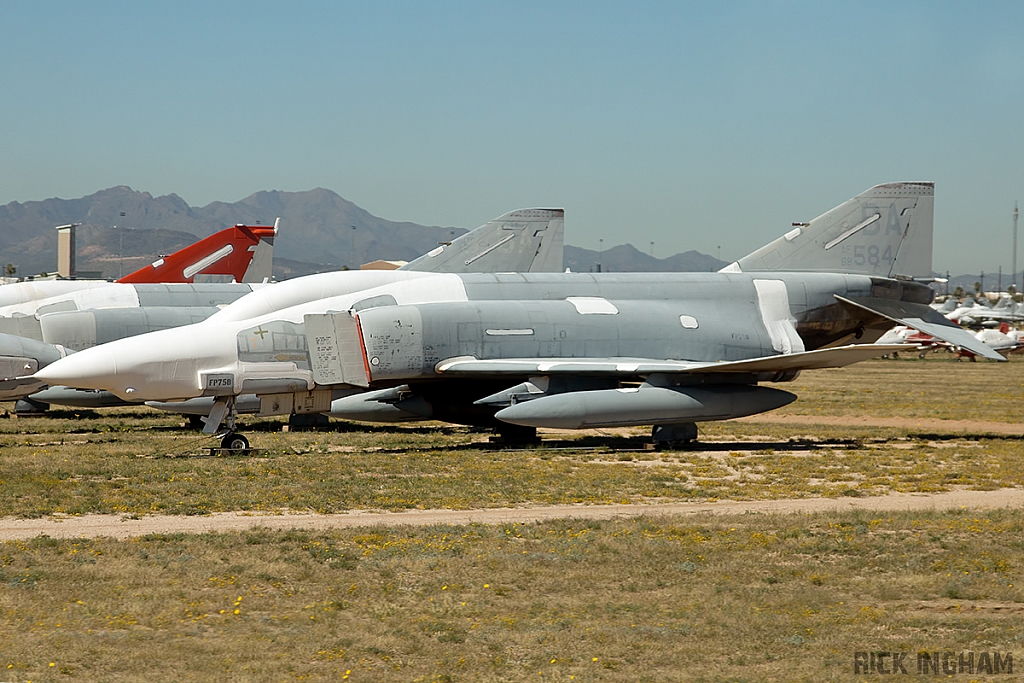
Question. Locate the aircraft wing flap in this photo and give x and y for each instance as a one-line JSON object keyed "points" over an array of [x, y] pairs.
{"points": [[808, 360], [924, 319]]}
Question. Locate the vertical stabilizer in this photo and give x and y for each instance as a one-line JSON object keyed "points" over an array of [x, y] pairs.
{"points": [[521, 241], [240, 254], [262, 265], [885, 231]]}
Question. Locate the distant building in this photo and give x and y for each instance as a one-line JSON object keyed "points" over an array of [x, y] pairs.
{"points": [[382, 265]]}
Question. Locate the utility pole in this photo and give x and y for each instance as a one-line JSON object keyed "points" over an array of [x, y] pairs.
{"points": [[1014, 276]]}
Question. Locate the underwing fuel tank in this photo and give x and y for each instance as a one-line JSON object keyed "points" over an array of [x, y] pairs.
{"points": [[644, 405], [386, 405], [78, 398]]}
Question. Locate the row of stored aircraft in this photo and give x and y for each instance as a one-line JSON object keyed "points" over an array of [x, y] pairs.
{"points": [[980, 314], [538, 348], [42, 321]]}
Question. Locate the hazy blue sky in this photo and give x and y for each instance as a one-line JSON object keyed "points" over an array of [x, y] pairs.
{"points": [[692, 125]]}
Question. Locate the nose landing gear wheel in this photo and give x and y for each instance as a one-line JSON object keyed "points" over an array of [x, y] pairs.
{"points": [[234, 442]]}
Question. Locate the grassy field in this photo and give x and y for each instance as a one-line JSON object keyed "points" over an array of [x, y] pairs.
{"points": [[746, 598], [751, 598], [936, 387]]}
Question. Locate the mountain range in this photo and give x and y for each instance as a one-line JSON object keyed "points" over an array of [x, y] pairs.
{"points": [[123, 229]]}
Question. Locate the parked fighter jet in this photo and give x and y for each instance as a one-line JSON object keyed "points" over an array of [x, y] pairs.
{"points": [[521, 351], [1006, 310], [529, 240], [242, 253], [41, 320], [160, 294], [1002, 340]]}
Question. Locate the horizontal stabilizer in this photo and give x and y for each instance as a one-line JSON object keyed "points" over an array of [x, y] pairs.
{"points": [[808, 360], [924, 319]]}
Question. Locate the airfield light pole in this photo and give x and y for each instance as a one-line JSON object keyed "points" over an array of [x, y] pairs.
{"points": [[120, 247], [1014, 276], [353, 244]]}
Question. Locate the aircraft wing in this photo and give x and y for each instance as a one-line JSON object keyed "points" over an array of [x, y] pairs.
{"points": [[924, 319], [808, 360]]}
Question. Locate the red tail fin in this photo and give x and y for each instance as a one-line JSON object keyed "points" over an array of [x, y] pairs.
{"points": [[228, 252], [1004, 328]]}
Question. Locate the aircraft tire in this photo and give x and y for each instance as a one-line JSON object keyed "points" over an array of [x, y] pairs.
{"points": [[235, 442]]}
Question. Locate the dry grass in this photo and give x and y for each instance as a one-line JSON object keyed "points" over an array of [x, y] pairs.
{"points": [[751, 598], [935, 387], [424, 467], [115, 461]]}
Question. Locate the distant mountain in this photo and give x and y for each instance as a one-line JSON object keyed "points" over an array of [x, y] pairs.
{"points": [[316, 230], [626, 258], [316, 233]]}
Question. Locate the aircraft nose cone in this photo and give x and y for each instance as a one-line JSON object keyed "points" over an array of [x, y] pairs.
{"points": [[90, 369]]}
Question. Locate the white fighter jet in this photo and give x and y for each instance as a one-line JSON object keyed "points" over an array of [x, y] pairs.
{"points": [[572, 350]]}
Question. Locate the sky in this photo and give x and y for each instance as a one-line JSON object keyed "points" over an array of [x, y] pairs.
{"points": [[707, 125]]}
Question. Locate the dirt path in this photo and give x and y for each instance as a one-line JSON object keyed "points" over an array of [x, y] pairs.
{"points": [[115, 526], [967, 426]]}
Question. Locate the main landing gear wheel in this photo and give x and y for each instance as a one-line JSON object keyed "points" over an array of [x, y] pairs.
{"points": [[235, 442], [674, 436]]}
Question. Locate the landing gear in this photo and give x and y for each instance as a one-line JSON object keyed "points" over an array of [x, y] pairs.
{"points": [[674, 435], [26, 407], [224, 412], [306, 422], [234, 442], [515, 435]]}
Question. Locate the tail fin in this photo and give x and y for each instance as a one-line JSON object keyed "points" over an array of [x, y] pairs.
{"points": [[242, 253], [521, 241], [885, 231]]}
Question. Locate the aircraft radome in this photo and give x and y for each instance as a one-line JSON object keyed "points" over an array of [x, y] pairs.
{"points": [[569, 350]]}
